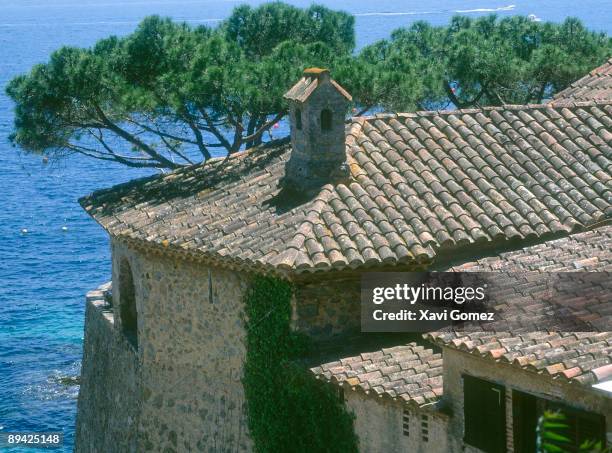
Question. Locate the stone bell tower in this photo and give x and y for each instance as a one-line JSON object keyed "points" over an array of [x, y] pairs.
{"points": [[318, 107]]}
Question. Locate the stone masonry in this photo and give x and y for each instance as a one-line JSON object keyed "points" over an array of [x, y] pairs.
{"points": [[183, 383], [109, 402]]}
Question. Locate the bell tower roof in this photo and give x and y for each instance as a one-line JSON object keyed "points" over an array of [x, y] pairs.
{"points": [[312, 78]]}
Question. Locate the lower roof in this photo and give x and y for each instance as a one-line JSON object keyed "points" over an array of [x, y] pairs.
{"points": [[409, 372], [579, 357], [414, 373]]}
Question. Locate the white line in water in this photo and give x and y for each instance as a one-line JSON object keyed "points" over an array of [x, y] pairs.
{"points": [[486, 10], [418, 13]]}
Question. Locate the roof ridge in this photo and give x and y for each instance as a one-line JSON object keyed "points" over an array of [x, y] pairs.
{"points": [[511, 107]]}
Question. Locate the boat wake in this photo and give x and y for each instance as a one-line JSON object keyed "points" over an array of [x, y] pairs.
{"points": [[420, 13], [486, 10]]}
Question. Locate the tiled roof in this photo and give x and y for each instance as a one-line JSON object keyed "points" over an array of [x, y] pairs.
{"points": [[422, 183], [309, 83], [588, 251], [582, 357], [409, 372], [597, 85], [228, 209]]}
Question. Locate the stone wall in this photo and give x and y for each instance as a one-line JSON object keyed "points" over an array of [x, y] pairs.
{"points": [[326, 309], [386, 425], [327, 305], [457, 363], [108, 405], [189, 359]]}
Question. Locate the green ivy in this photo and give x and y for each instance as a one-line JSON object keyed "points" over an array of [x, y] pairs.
{"points": [[288, 410]]}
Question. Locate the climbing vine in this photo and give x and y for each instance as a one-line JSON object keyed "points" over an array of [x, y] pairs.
{"points": [[288, 410]]}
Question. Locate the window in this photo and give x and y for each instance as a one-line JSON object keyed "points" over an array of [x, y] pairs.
{"points": [[211, 298], [582, 426], [298, 119], [425, 428], [326, 120], [484, 414], [406, 423], [127, 303]]}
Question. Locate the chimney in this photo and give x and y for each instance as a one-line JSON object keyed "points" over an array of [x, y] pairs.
{"points": [[317, 74], [317, 106]]}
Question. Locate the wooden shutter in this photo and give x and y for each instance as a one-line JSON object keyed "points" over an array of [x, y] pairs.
{"points": [[524, 421], [484, 412]]}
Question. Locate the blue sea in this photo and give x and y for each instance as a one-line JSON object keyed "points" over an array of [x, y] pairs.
{"points": [[51, 252]]}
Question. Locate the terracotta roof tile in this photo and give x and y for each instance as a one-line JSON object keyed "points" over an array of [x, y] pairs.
{"points": [[410, 372], [422, 183], [307, 85], [597, 85], [581, 357]]}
